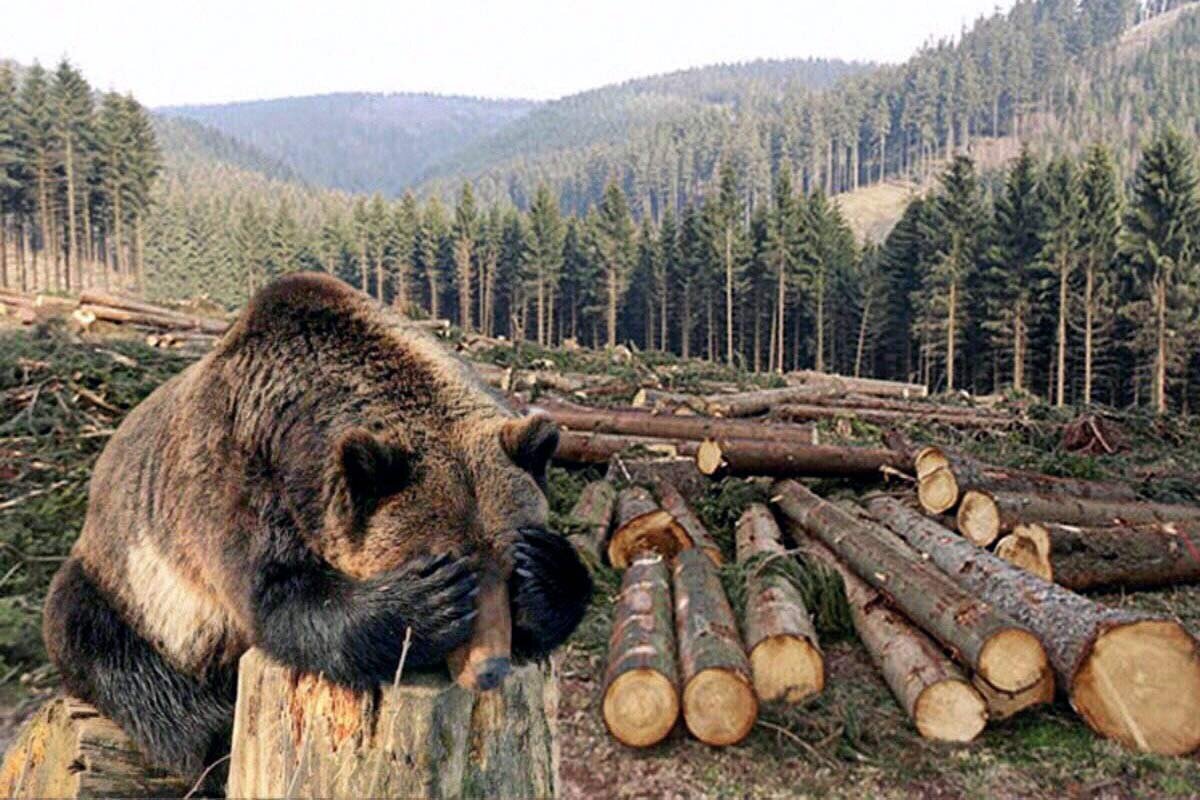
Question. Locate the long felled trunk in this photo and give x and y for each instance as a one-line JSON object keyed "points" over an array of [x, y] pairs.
{"points": [[996, 647], [1120, 556], [785, 656], [674, 504], [933, 692], [641, 685], [1132, 676], [592, 515], [643, 527], [719, 705]]}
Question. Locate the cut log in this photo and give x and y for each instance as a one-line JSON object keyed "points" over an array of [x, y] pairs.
{"points": [[599, 448], [748, 404], [995, 646], [593, 514], [785, 656], [983, 516], [914, 407], [485, 660], [719, 705], [742, 457], [933, 692], [299, 735], [643, 527], [846, 384], [667, 426], [673, 503], [680, 471], [147, 313], [800, 412], [1122, 556], [668, 402], [641, 686], [67, 750], [1002, 705], [1133, 677]]}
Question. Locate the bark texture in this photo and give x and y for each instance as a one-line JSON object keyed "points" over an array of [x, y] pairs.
{"points": [[300, 736], [668, 426], [593, 513], [643, 527], [673, 503]]}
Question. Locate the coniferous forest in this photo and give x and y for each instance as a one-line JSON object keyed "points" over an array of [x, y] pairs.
{"points": [[1068, 270]]}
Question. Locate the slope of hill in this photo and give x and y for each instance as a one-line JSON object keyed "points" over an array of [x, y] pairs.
{"points": [[357, 141], [188, 144]]}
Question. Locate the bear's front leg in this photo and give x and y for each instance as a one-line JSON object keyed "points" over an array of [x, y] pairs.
{"points": [[320, 621], [550, 589]]}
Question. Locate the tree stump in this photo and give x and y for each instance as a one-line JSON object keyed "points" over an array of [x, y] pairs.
{"points": [[67, 750], [298, 735]]}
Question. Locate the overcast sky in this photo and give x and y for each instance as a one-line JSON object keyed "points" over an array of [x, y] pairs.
{"points": [[194, 51]]}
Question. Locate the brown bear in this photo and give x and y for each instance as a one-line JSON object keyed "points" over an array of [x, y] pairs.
{"points": [[323, 480]]}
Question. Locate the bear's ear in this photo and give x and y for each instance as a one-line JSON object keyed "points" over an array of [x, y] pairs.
{"points": [[370, 469], [530, 442]]}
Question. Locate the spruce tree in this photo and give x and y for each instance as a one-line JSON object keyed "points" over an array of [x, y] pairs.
{"points": [[72, 103], [1159, 243], [465, 223], [1060, 204], [1099, 228], [544, 256], [614, 229], [10, 165], [784, 249]]}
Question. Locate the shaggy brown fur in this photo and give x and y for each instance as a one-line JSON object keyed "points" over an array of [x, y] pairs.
{"points": [[323, 479]]}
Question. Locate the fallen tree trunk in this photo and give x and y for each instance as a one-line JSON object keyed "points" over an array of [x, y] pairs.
{"points": [[996, 647], [797, 412], [1002, 705], [299, 735], [673, 503], [680, 471], [67, 750], [1133, 677], [845, 384], [983, 516], [748, 404], [664, 402], [167, 321], [93, 299], [945, 476], [599, 448], [641, 685], [667, 426], [933, 692], [785, 656], [643, 527], [719, 705], [743, 457], [593, 514], [913, 407], [1124, 556]]}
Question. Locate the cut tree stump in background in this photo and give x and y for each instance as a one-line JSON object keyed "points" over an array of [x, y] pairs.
{"points": [[67, 750], [298, 735]]}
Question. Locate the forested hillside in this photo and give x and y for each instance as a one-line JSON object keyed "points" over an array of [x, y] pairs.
{"points": [[356, 141], [1068, 274]]}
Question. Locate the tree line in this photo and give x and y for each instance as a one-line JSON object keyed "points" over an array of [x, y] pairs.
{"points": [[76, 175]]}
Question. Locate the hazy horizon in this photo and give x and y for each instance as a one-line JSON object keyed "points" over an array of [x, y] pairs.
{"points": [[531, 50]]}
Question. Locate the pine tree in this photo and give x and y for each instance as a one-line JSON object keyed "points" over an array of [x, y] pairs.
{"points": [[466, 220], [39, 152], [727, 213], [615, 240], [1160, 242], [1017, 269], [784, 246], [1100, 225], [545, 257], [72, 104], [10, 165], [1060, 203]]}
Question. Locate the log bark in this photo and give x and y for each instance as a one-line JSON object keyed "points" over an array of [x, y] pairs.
{"points": [[983, 516], [667, 426], [664, 402], [799, 412], [299, 735], [164, 317], [643, 527], [933, 692], [748, 404], [593, 515], [845, 384], [745, 458], [1120, 556], [680, 471], [785, 655], [674, 504], [739, 457], [719, 705], [1133, 677], [67, 750], [641, 685], [995, 646]]}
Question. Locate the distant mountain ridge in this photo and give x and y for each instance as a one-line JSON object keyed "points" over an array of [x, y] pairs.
{"points": [[359, 142]]}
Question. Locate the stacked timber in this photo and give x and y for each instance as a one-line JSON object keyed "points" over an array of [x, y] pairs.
{"points": [[698, 536], [642, 526], [785, 656], [997, 647], [938, 698], [592, 515], [641, 685], [1124, 556], [719, 704], [1133, 677]]}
